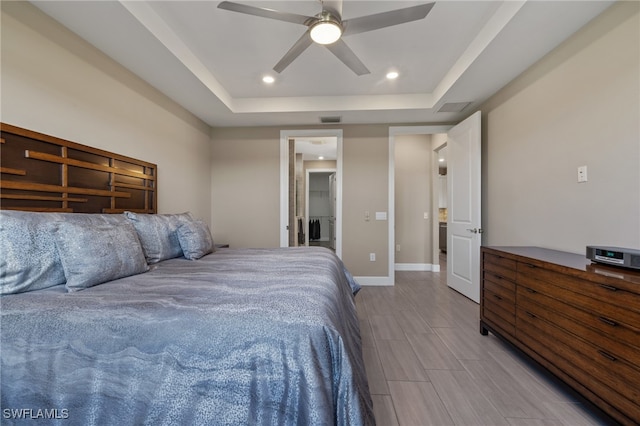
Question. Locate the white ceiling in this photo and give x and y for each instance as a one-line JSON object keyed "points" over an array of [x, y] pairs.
{"points": [[211, 61], [314, 147]]}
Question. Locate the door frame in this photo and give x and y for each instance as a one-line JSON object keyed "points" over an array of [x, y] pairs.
{"points": [[393, 132], [285, 135]]}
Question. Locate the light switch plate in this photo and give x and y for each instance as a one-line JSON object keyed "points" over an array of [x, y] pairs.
{"points": [[381, 215]]}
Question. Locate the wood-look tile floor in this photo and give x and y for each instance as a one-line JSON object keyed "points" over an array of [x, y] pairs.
{"points": [[428, 364]]}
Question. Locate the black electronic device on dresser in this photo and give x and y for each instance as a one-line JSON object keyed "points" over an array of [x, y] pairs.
{"points": [[578, 319]]}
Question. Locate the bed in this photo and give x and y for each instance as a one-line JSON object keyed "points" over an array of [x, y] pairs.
{"points": [[233, 336], [112, 314]]}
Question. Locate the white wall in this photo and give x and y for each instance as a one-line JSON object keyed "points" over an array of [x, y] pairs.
{"points": [[580, 105], [55, 83]]}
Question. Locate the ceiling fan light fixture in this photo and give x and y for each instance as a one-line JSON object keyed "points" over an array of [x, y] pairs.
{"points": [[326, 31]]}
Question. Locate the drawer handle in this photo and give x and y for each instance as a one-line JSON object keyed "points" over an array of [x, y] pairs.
{"points": [[530, 290], [608, 287], [530, 265], [608, 321], [500, 277], [607, 356], [529, 314], [497, 297]]}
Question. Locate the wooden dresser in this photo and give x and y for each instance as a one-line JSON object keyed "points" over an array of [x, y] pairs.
{"points": [[579, 320]]}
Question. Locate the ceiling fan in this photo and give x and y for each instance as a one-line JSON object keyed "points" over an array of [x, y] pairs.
{"points": [[327, 28]]}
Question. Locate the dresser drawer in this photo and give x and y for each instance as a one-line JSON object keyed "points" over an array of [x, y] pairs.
{"points": [[499, 315], [600, 363], [624, 299], [600, 374], [601, 307], [500, 266], [500, 286], [573, 321]]}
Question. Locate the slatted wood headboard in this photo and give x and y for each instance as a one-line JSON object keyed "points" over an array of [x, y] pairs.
{"points": [[45, 173]]}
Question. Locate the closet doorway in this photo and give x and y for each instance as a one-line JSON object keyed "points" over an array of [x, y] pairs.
{"points": [[320, 205]]}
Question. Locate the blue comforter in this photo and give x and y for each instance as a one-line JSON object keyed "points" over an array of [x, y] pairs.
{"points": [[255, 336]]}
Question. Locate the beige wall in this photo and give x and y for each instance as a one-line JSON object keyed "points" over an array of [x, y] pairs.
{"points": [[55, 83], [245, 186], [413, 176], [580, 105], [246, 191], [365, 187]]}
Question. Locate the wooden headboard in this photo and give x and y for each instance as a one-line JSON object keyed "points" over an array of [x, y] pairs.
{"points": [[45, 173]]}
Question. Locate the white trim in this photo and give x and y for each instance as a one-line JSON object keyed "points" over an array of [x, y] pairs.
{"points": [[414, 267], [393, 132], [373, 281], [285, 135]]}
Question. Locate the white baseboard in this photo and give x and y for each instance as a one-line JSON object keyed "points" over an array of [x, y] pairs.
{"points": [[375, 281], [415, 267]]}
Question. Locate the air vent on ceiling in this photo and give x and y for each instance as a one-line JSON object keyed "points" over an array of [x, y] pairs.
{"points": [[454, 106], [334, 119]]}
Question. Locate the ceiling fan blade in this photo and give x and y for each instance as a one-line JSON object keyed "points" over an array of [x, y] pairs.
{"points": [[295, 51], [266, 13], [385, 19], [346, 55], [333, 6]]}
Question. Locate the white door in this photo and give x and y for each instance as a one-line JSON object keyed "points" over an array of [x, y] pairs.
{"points": [[463, 208]]}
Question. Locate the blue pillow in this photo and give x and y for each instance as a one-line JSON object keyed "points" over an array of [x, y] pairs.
{"points": [[158, 234], [195, 239], [92, 255], [28, 257]]}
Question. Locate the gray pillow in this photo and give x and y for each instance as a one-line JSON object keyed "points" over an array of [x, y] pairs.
{"points": [[92, 255], [195, 239], [28, 257], [158, 234]]}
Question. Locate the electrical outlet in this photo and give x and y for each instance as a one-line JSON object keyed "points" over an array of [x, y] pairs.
{"points": [[372, 257], [397, 247], [582, 174]]}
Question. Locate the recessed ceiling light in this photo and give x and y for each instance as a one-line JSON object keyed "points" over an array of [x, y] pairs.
{"points": [[321, 158], [268, 79], [441, 160], [392, 75]]}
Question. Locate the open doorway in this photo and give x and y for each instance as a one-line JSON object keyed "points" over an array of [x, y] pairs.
{"points": [[438, 136], [320, 207], [303, 155], [441, 196]]}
